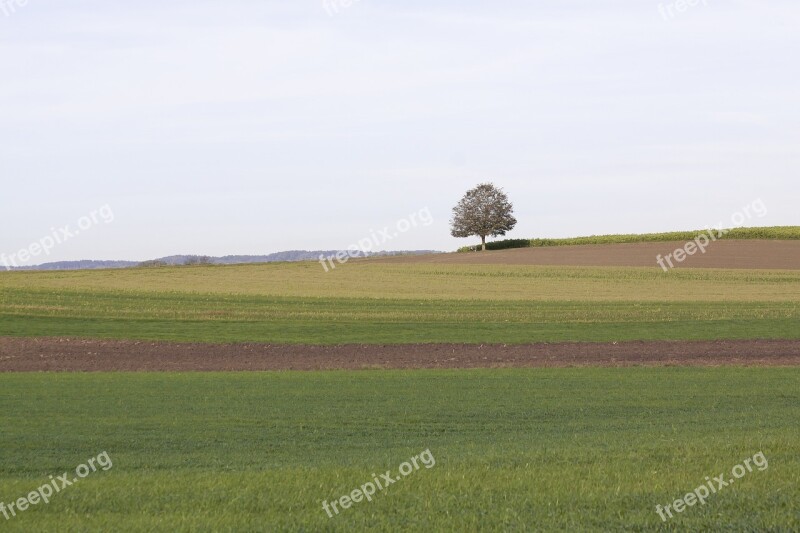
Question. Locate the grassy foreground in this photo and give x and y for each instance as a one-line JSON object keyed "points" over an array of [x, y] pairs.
{"points": [[555, 449], [365, 302]]}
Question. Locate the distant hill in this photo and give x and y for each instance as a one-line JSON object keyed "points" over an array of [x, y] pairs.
{"points": [[178, 260], [77, 265]]}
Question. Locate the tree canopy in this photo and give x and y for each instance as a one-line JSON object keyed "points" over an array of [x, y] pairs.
{"points": [[483, 211]]}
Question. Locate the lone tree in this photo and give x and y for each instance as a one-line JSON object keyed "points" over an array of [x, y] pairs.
{"points": [[484, 210]]}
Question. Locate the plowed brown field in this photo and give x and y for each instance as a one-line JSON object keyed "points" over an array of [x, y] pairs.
{"points": [[78, 355], [746, 254]]}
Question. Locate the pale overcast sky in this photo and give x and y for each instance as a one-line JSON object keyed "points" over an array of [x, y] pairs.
{"points": [[249, 127]]}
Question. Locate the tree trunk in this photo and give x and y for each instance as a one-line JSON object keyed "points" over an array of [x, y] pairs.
{"points": [[483, 242]]}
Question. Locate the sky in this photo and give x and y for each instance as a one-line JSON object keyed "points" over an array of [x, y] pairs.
{"points": [[251, 127]]}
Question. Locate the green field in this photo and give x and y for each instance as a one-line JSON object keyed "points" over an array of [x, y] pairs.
{"points": [[367, 302], [568, 449], [521, 450]]}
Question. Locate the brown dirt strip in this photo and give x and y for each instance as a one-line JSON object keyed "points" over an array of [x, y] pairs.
{"points": [[82, 355], [740, 254]]}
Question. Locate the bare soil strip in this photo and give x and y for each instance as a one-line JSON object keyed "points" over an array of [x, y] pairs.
{"points": [[83, 355], [740, 254]]}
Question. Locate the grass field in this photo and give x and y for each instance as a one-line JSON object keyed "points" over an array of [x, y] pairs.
{"points": [[365, 302], [514, 449]]}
